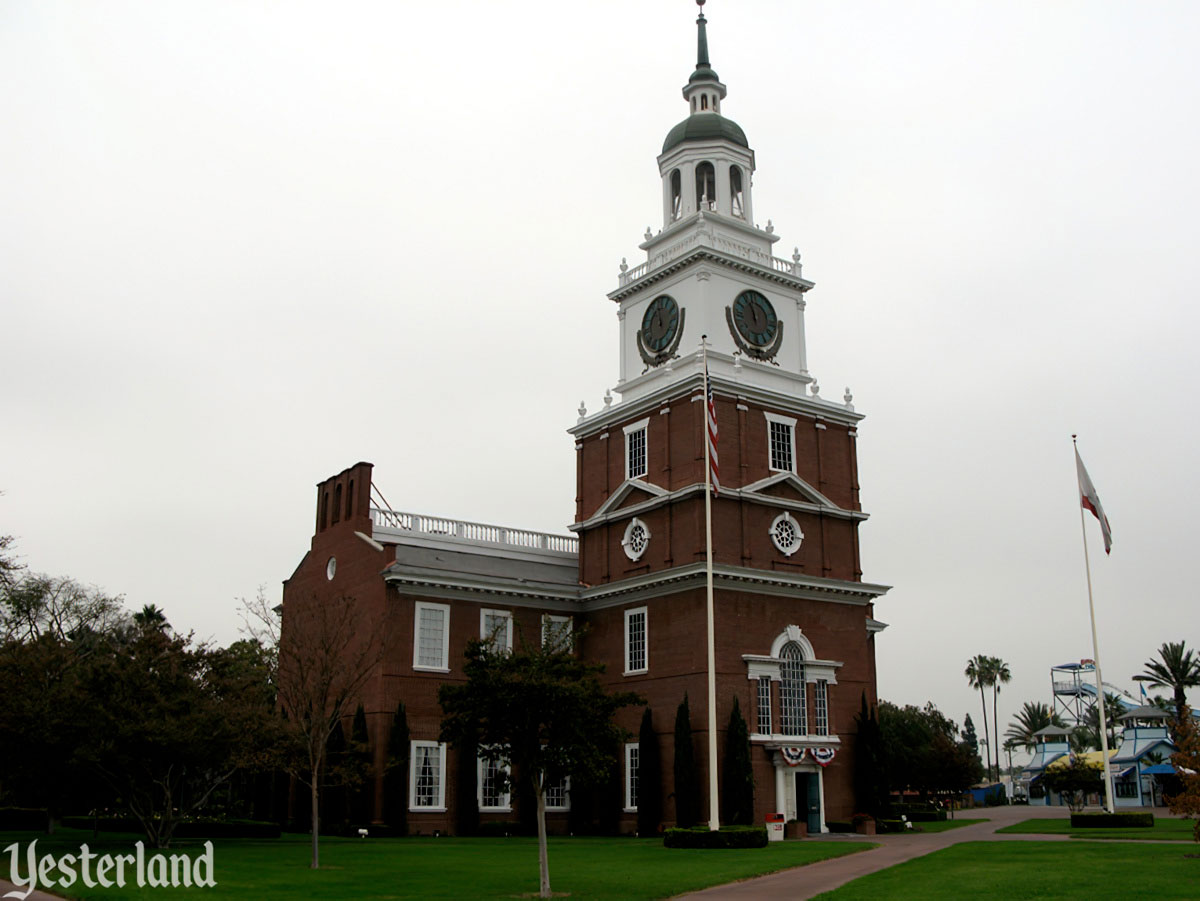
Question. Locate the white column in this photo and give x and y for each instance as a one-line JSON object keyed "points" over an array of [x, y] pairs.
{"points": [[803, 348], [780, 785], [621, 341]]}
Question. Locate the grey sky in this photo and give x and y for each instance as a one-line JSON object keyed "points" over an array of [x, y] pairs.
{"points": [[244, 245]]}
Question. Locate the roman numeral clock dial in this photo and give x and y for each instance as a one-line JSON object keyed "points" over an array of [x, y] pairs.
{"points": [[756, 329], [661, 331]]}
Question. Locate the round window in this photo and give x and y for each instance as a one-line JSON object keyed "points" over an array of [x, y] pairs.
{"points": [[637, 538], [786, 534], [331, 568]]}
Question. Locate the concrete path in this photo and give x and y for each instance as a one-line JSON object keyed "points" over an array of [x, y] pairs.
{"points": [[808, 881]]}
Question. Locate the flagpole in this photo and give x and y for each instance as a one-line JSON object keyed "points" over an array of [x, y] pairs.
{"points": [[714, 810], [1087, 566]]}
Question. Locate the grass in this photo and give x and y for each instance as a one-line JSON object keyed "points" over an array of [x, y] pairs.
{"points": [[943, 825], [1170, 829], [587, 868], [1016, 871]]}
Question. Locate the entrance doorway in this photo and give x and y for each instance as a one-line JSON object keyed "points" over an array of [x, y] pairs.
{"points": [[808, 800]]}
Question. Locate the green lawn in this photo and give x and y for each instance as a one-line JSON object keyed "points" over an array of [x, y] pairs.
{"points": [[1015, 871], [591, 868], [944, 825], [1164, 829]]}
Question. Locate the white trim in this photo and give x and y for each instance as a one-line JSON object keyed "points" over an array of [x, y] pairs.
{"points": [[787, 517], [792, 633], [790, 423], [623, 491], [630, 807], [419, 606], [505, 796], [642, 425], [631, 612], [553, 622], [440, 806], [566, 805], [627, 540], [484, 613]]}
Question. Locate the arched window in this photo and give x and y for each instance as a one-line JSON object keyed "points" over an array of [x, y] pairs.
{"points": [[735, 190], [703, 101], [794, 710], [350, 500], [693, 104], [337, 503], [676, 195], [706, 187], [324, 509]]}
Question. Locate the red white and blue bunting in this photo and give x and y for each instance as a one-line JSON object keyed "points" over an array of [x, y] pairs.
{"points": [[792, 756], [823, 756]]}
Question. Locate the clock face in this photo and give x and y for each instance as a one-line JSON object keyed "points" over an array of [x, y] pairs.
{"points": [[755, 319], [660, 325]]}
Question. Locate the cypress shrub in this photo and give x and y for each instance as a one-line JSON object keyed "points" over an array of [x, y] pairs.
{"points": [[738, 782], [395, 776], [649, 816], [687, 778]]}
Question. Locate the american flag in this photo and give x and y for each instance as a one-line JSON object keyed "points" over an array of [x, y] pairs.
{"points": [[714, 469]]}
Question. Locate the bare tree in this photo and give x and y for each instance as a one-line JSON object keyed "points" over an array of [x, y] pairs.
{"points": [[324, 660]]}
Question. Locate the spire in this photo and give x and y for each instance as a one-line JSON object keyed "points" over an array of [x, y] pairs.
{"points": [[704, 71]]}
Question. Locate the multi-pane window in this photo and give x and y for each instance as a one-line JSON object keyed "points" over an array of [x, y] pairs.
{"points": [[821, 707], [427, 776], [764, 705], [635, 450], [781, 434], [632, 758], [793, 713], [495, 626], [635, 640], [493, 789], [432, 636], [556, 632], [558, 794]]}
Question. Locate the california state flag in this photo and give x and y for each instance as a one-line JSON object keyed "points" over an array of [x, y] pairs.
{"points": [[1091, 501]]}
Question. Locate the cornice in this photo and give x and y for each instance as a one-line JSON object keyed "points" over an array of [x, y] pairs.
{"points": [[699, 254]]}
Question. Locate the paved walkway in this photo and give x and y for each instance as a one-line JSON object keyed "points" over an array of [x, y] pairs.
{"points": [[808, 881]]}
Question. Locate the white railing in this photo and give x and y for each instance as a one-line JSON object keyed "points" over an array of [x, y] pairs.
{"points": [[733, 248], [472, 531]]}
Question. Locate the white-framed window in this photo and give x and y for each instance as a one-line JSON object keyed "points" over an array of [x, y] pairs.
{"points": [[636, 449], [431, 637], [785, 533], [427, 776], [781, 442], [558, 794], [821, 707], [793, 708], [764, 705], [636, 655], [636, 540], [632, 758], [493, 785], [495, 627], [556, 632]]}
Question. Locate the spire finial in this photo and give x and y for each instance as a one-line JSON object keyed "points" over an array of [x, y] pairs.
{"points": [[701, 39]]}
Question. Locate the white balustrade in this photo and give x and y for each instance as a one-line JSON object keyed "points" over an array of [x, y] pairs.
{"points": [[472, 531]]}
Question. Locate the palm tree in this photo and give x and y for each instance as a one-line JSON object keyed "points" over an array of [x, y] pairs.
{"points": [[151, 616], [1113, 707], [1176, 669], [1031, 718], [977, 673], [998, 670]]}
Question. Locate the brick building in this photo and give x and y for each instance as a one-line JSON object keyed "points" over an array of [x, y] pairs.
{"points": [[794, 621]]}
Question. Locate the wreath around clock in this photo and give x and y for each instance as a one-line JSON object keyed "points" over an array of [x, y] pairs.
{"points": [[662, 329], [756, 329]]}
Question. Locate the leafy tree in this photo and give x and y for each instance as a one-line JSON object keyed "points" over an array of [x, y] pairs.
{"points": [[395, 776], [687, 777], [1030, 719], [978, 673], [739, 772], [1186, 760], [1177, 669], [999, 675], [1074, 781], [9, 567], [650, 788], [542, 711], [922, 752], [870, 764]]}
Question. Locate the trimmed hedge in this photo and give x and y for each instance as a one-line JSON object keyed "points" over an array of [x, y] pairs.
{"points": [[926, 816], [186, 829], [1119, 820], [839, 825], [726, 837]]}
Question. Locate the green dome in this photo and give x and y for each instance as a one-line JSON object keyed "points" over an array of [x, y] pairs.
{"points": [[705, 127], [703, 73]]}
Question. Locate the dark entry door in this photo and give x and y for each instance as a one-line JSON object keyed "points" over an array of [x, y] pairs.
{"points": [[808, 800]]}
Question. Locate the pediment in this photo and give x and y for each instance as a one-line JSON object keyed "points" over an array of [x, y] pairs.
{"points": [[630, 493], [789, 486]]}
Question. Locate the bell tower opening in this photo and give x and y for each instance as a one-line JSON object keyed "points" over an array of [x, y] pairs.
{"points": [[706, 187]]}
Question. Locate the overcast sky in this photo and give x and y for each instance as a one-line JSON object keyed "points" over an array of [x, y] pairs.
{"points": [[244, 245]]}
